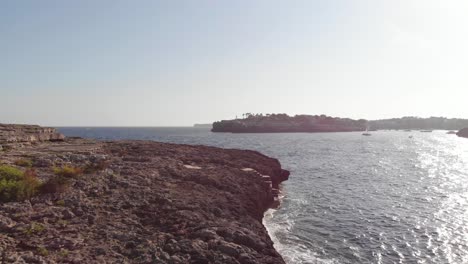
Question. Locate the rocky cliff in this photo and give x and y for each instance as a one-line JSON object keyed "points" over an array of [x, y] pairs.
{"points": [[13, 134], [463, 133], [143, 202]]}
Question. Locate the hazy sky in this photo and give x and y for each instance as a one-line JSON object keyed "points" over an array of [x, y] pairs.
{"points": [[153, 63]]}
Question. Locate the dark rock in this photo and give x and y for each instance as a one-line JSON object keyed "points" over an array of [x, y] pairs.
{"points": [[230, 249], [245, 258], [68, 214], [463, 133], [206, 234], [248, 239]]}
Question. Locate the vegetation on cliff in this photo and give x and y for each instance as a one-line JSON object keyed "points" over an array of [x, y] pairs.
{"points": [[16, 185]]}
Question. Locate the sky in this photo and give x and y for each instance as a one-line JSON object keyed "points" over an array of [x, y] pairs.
{"points": [[176, 63]]}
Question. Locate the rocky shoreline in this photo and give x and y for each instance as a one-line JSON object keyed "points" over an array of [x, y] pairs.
{"points": [[142, 202]]}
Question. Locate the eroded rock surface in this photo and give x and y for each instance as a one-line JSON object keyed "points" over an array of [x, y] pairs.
{"points": [[152, 203], [12, 135]]}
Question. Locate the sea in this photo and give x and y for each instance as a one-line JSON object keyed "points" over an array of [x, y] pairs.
{"points": [[392, 197]]}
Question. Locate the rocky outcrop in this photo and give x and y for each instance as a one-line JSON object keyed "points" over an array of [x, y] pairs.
{"points": [[281, 123], [463, 133], [27, 134], [149, 203]]}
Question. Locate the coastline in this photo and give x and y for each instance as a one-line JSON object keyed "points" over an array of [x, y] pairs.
{"points": [[152, 202]]}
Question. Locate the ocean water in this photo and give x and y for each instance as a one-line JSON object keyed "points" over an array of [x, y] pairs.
{"points": [[386, 198]]}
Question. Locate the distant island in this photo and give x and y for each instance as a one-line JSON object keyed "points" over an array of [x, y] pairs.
{"points": [[203, 125], [417, 123], [271, 123], [274, 123]]}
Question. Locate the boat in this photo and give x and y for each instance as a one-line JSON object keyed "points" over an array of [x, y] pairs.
{"points": [[366, 133], [426, 131]]}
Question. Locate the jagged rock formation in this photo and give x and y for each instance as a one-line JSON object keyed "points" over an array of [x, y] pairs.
{"points": [[11, 134], [152, 203], [283, 123], [463, 133]]}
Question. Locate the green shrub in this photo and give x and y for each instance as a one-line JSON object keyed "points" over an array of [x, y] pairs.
{"points": [[24, 163], [34, 228], [16, 185], [62, 179], [10, 173], [68, 171], [64, 253], [42, 251]]}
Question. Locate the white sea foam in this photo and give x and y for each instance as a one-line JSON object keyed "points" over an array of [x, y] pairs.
{"points": [[293, 253]]}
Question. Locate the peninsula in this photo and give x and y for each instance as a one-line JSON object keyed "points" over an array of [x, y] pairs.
{"points": [[73, 200]]}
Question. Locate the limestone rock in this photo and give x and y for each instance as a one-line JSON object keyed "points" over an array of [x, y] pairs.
{"points": [[27, 134], [142, 205]]}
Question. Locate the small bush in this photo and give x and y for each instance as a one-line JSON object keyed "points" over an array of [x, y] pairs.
{"points": [[42, 251], [16, 185], [62, 179], [60, 203], [68, 171], [34, 228], [10, 173], [64, 253], [24, 163]]}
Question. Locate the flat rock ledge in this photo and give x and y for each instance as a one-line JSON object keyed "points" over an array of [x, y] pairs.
{"points": [[152, 203], [17, 135]]}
